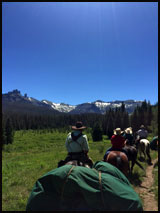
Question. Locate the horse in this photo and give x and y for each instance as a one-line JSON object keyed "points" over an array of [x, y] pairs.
{"points": [[75, 159], [132, 156], [144, 147], [77, 163], [154, 143], [131, 153], [119, 160]]}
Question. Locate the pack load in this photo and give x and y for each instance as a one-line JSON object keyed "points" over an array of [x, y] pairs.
{"points": [[77, 188], [154, 143]]}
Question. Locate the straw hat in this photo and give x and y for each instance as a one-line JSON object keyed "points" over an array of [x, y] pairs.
{"points": [[117, 131], [128, 130], [79, 126]]}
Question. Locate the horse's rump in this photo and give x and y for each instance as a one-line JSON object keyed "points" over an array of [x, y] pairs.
{"points": [[131, 152], [119, 160], [144, 146], [145, 141]]}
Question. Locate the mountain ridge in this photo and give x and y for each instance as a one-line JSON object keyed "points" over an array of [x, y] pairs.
{"points": [[14, 98]]}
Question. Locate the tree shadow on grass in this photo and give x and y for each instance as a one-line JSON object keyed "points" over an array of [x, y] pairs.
{"points": [[134, 179]]}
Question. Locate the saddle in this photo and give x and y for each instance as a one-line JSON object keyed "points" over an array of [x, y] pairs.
{"points": [[120, 150], [80, 157]]}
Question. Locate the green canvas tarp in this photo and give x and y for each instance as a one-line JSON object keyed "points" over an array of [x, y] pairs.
{"points": [[71, 188]]}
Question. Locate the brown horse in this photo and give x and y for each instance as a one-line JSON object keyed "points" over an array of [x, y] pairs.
{"points": [[119, 160], [131, 153]]}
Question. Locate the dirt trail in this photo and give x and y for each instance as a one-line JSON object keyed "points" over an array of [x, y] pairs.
{"points": [[150, 204]]}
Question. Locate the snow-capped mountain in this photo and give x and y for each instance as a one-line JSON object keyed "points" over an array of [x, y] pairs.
{"points": [[60, 107], [130, 105], [15, 99], [102, 106]]}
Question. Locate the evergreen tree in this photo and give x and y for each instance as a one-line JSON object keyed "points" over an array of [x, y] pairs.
{"points": [[97, 133], [9, 131], [118, 119], [125, 120], [149, 115], [3, 130], [122, 107], [135, 124], [144, 106], [104, 124], [110, 126], [3, 136], [154, 122]]}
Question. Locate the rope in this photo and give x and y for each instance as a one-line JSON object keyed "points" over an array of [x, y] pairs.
{"points": [[100, 182], [66, 181]]}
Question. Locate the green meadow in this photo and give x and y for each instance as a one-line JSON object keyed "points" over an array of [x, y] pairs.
{"points": [[36, 152]]}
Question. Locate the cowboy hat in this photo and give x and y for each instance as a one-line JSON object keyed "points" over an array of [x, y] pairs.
{"points": [[142, 127], [117, 131], [128, 130], [78, 126]]}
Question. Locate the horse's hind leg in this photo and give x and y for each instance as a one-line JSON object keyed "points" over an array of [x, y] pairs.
{"points": [[131, 170], [140, 151], [144, 153], [129, 167], [148, 153]]}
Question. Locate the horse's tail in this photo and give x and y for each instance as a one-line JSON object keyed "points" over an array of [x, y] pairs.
{"points": [[122, 164], [139, 165], [119, 161], [148, 147]]}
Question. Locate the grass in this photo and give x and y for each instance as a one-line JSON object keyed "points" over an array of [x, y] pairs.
{"points": [[34, 153]]}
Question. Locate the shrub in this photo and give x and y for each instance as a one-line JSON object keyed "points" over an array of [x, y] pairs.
{"points": [[97, 133]]}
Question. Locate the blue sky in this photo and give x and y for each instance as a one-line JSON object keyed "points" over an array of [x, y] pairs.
{"points": [[76, 52]]}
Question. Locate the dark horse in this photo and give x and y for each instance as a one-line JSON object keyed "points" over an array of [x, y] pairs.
{"points": [[132, 156], [119, 160]]}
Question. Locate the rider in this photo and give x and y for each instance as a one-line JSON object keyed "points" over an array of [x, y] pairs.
{"points": [[77, 145], [117, 141], [128, 135], [142, 133]]}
